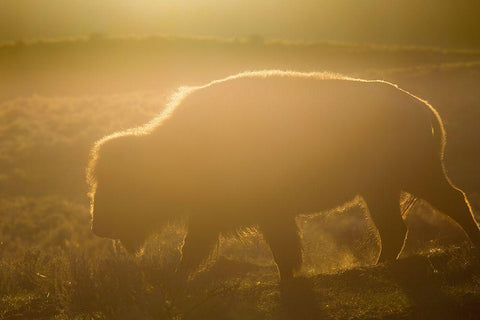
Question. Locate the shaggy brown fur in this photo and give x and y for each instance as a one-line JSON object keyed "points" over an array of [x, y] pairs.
{"points": [[260, 148]]}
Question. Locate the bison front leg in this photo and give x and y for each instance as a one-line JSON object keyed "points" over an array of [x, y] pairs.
{"points": [[282, 235], [384, 209], [198, 244]]}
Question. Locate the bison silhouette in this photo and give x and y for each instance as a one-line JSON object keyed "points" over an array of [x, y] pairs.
{"points": [[258, 149]]}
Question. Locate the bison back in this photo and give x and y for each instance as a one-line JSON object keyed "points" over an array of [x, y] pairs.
{"points": [[295, 141]]}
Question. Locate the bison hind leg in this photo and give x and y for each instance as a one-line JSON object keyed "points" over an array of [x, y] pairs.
{"points": [[436, 189], [282, 235], [384, 208]]}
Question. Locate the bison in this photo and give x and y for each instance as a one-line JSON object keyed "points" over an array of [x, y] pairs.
{"points": [[258, 149]]}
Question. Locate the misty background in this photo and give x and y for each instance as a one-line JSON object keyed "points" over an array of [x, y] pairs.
{"points": [[445, 23]]}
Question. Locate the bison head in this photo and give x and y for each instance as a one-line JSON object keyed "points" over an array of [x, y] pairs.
{"points": [[122, 204]]}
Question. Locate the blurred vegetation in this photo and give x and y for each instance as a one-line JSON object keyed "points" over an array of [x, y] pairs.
{"points": [[102, 64], [58, 97], [445, 23]]}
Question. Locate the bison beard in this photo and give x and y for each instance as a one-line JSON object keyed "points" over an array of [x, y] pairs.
{"points": [[260, 148]]}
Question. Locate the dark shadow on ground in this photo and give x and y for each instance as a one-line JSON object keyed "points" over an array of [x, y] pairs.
{"points": [[439, 285], [423, 279], [298, 300]]}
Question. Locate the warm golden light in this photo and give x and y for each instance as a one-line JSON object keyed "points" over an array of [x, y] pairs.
{"points": [[428, 22], [239, 159]]}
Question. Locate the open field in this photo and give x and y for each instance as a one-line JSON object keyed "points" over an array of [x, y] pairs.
{"points": [[58, 97]]}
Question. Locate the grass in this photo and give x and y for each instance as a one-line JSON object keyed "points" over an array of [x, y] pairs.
{"points": [[47, 273], [443, 284]]}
